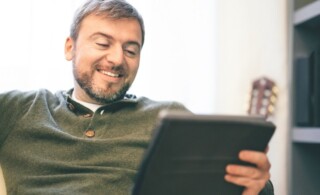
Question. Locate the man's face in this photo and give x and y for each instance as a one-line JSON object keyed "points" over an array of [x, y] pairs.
{"points": [[105, 58]]}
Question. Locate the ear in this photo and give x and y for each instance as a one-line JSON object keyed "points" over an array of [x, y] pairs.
{"points": [[68, 49]]}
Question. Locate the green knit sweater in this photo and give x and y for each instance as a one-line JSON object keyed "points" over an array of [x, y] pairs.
{"points": [[50, 144], [45, 147]]}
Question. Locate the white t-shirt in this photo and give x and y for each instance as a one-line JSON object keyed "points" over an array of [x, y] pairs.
{"points": [[92, 107]]}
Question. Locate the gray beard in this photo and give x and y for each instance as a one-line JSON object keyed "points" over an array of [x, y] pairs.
{"points": [[99, 95]]}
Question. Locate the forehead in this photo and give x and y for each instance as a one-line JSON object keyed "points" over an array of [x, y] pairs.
{"points": [[124, 28]]}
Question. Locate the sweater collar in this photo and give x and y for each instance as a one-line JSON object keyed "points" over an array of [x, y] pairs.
{"points": [[76, 107]]}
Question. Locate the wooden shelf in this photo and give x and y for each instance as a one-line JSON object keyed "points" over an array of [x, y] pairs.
{"points": [[307, 13], [306, 135]]}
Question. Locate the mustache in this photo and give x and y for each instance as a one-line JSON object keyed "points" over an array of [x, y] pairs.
{"points": [[118, 67]]}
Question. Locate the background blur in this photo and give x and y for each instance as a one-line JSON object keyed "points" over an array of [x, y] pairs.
{"points": [[203, 53]]}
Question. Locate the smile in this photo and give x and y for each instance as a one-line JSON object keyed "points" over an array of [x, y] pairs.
{"points": [[110, 74]]}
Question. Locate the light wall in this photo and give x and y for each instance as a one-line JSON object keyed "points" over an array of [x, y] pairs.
{"points": [[187, 57], [253, 42], [177, 61], [179, 56]]}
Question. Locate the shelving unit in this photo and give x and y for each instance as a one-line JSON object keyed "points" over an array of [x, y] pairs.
{"points": [[305, 142], [306, 135], [307, 13]]}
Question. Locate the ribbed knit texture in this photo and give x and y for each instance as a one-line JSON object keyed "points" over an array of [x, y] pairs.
{"points": [[44, 149]]}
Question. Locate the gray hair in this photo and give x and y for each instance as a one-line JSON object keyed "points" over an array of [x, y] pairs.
{"points": [[116, 9]]}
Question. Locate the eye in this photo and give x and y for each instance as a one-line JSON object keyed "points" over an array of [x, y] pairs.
{"points": [[130, 53], [131, 50], [104, 45]]}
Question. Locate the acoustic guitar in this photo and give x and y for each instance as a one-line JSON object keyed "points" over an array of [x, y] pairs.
{"points": [[263, 97]]}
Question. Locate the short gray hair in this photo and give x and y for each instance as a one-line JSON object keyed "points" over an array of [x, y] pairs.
{"points": [[116, 9]]}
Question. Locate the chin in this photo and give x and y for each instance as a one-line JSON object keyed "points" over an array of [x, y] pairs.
{"points": [[105, 96]]}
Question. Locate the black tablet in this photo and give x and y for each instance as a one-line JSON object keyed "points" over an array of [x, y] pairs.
{"points": [[188, 153]]}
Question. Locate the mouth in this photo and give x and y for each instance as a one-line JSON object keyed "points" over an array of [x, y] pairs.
{"points": [[110, 74]]}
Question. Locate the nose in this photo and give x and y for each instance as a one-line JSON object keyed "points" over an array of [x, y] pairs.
{"points": [[115, 55]]}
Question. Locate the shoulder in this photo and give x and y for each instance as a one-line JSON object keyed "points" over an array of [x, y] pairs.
{"points": [[24, 95], [149, 104], [17, 98]]}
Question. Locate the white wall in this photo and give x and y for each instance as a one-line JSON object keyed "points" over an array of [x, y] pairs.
{"points": [[179, 56], [179, 59], [253, 42], [32, 41]]}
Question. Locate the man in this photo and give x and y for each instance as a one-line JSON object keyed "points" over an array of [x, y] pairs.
{"points": [[90, 139]]}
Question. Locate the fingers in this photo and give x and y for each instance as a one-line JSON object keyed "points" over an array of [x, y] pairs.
{"points": [[260, 159], [245, 171], [252, 178], [251, 186]]}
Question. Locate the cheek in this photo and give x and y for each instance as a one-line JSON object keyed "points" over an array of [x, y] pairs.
{"points": [[134, 66], [87, 54], [133, 71], [85, 60]]}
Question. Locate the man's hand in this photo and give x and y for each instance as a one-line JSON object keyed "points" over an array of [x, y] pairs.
{"points": [[253, 179]]}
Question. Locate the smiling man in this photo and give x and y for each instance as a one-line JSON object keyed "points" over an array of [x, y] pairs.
{"points": [[105, 60], [90, 139]]}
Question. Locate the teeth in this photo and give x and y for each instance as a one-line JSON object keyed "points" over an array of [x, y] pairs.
{"points": [[110, 73]]}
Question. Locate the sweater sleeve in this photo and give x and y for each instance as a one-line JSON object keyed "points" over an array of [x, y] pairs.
{"points": [[13, 105], [176, 106]]}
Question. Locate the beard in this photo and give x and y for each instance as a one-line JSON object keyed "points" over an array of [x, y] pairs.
{"points": [[101, 96]]}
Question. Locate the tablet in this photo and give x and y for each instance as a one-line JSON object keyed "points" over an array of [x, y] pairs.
{"points": [[188, 153]]}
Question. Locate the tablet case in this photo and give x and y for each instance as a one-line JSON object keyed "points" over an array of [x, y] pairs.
{"points": [[188, 153]]}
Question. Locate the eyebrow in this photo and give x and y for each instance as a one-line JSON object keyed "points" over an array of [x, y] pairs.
{"points": [[111, 37]]}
